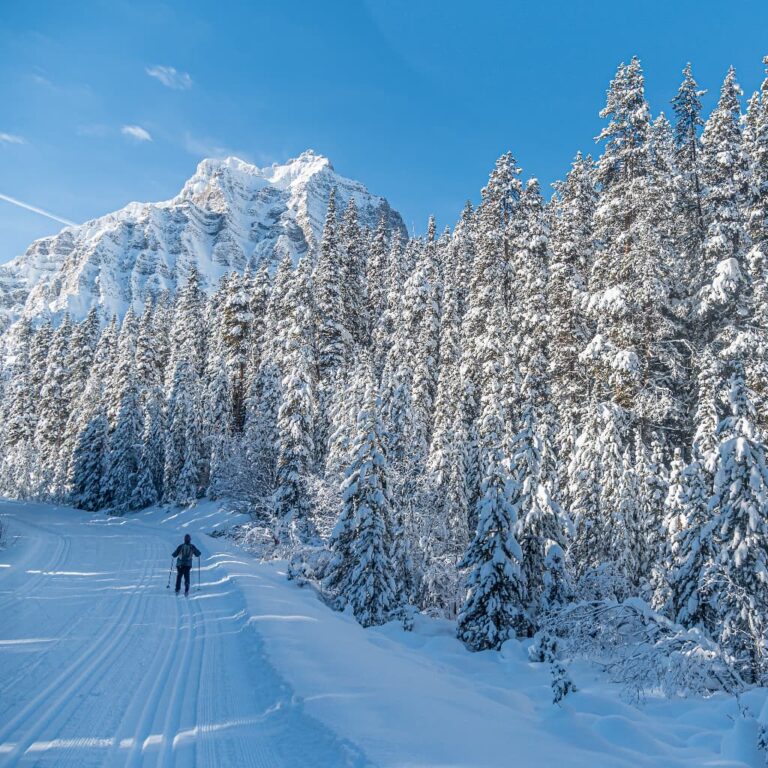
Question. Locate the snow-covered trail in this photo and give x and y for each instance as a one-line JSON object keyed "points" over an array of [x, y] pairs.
{"points": [[101, 665]]}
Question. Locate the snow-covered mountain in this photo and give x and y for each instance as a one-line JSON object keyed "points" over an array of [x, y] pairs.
{"points": [[229, 216]]}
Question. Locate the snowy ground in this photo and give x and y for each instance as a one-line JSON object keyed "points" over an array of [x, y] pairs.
{"points": [[101, 665]]}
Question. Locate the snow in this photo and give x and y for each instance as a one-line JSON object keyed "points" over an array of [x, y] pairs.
{"points": [[101, 665], [726, 280]]}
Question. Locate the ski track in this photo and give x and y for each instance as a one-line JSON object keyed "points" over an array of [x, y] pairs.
{"points": [[101, 665]]}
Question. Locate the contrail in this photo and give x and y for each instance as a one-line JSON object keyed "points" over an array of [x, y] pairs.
{"points": [[34, 209]]}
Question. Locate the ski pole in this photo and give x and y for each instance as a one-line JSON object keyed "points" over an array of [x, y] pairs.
{"points": [[198, 573], [168, 585]]}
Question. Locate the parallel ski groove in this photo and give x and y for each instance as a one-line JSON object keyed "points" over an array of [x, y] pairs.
{"points": [[45, 706], [148, 704], [146, 678]]}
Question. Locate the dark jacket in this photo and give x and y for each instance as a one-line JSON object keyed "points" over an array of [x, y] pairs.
{"points": [[183, 554]]}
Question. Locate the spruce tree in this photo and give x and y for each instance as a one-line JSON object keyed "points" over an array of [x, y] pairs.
{"points": [[736, 577], [360, 575], [692, 546], [572, 243], [687, 108], [296, 418], [494, 609], [334, 337], [723, 288], [354, 285], [123, 450], [87, 466], [237, 322], [148, 489]]}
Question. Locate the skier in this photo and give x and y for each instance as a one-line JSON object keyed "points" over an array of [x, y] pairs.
{"points": [[183, 554]]}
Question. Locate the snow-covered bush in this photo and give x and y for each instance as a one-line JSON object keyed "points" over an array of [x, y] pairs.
{"points": [[441, 588], [255, 538], [545, 649], [603, 582], [641, 649], [308, 565]]}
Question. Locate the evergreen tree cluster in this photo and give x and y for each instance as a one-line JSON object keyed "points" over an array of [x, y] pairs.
{"points": [[558, 400]]}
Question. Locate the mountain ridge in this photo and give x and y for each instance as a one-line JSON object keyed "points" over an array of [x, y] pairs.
{"points": [[230, 215]]}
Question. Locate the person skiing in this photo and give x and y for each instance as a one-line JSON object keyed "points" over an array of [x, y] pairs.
{"points": [[183, 554]]}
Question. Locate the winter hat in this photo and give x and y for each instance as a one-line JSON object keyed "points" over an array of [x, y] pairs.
{"points": [[187, 538]]}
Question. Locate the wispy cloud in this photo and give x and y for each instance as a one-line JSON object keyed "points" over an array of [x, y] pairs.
{"points": [[9, 138], [136, 132], [35, 209], [205, 147], [170, 77], [40, 80]]}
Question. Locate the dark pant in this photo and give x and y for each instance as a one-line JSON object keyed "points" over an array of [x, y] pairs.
{"points": [[183, 570]]}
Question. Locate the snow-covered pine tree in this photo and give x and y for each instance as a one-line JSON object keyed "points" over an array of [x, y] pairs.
{"points": [[333, 336], [446, 515], [423, 307], [628, 547], [494, 609], [384, 323], [722, 299], [377, 268], [148, 489], [182, 473], [38, 362], [585, 468], [360, 575], [756, 146], [90, 405], [19, 418], [149, 373], [653, 488], [121, 460], [187, 335], [87, 465], [354, 285], [348, 401], [20, 398], [263, 400], [124, 369], [687, 109], [218, 418], [673, 523], [572, 244], [447, 452], [460, 257], [595, 477], [236, 321], [78, 363], [633, 354], [296, 417], [541, 522], [737, 576], [258, 289], [489, 274], [694, 543], [53, 407]]}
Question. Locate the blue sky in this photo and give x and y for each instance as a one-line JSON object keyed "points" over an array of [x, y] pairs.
{"points": [[108, 101]]}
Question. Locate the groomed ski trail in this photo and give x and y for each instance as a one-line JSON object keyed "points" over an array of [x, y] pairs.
{"points": [[104, 666]]}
